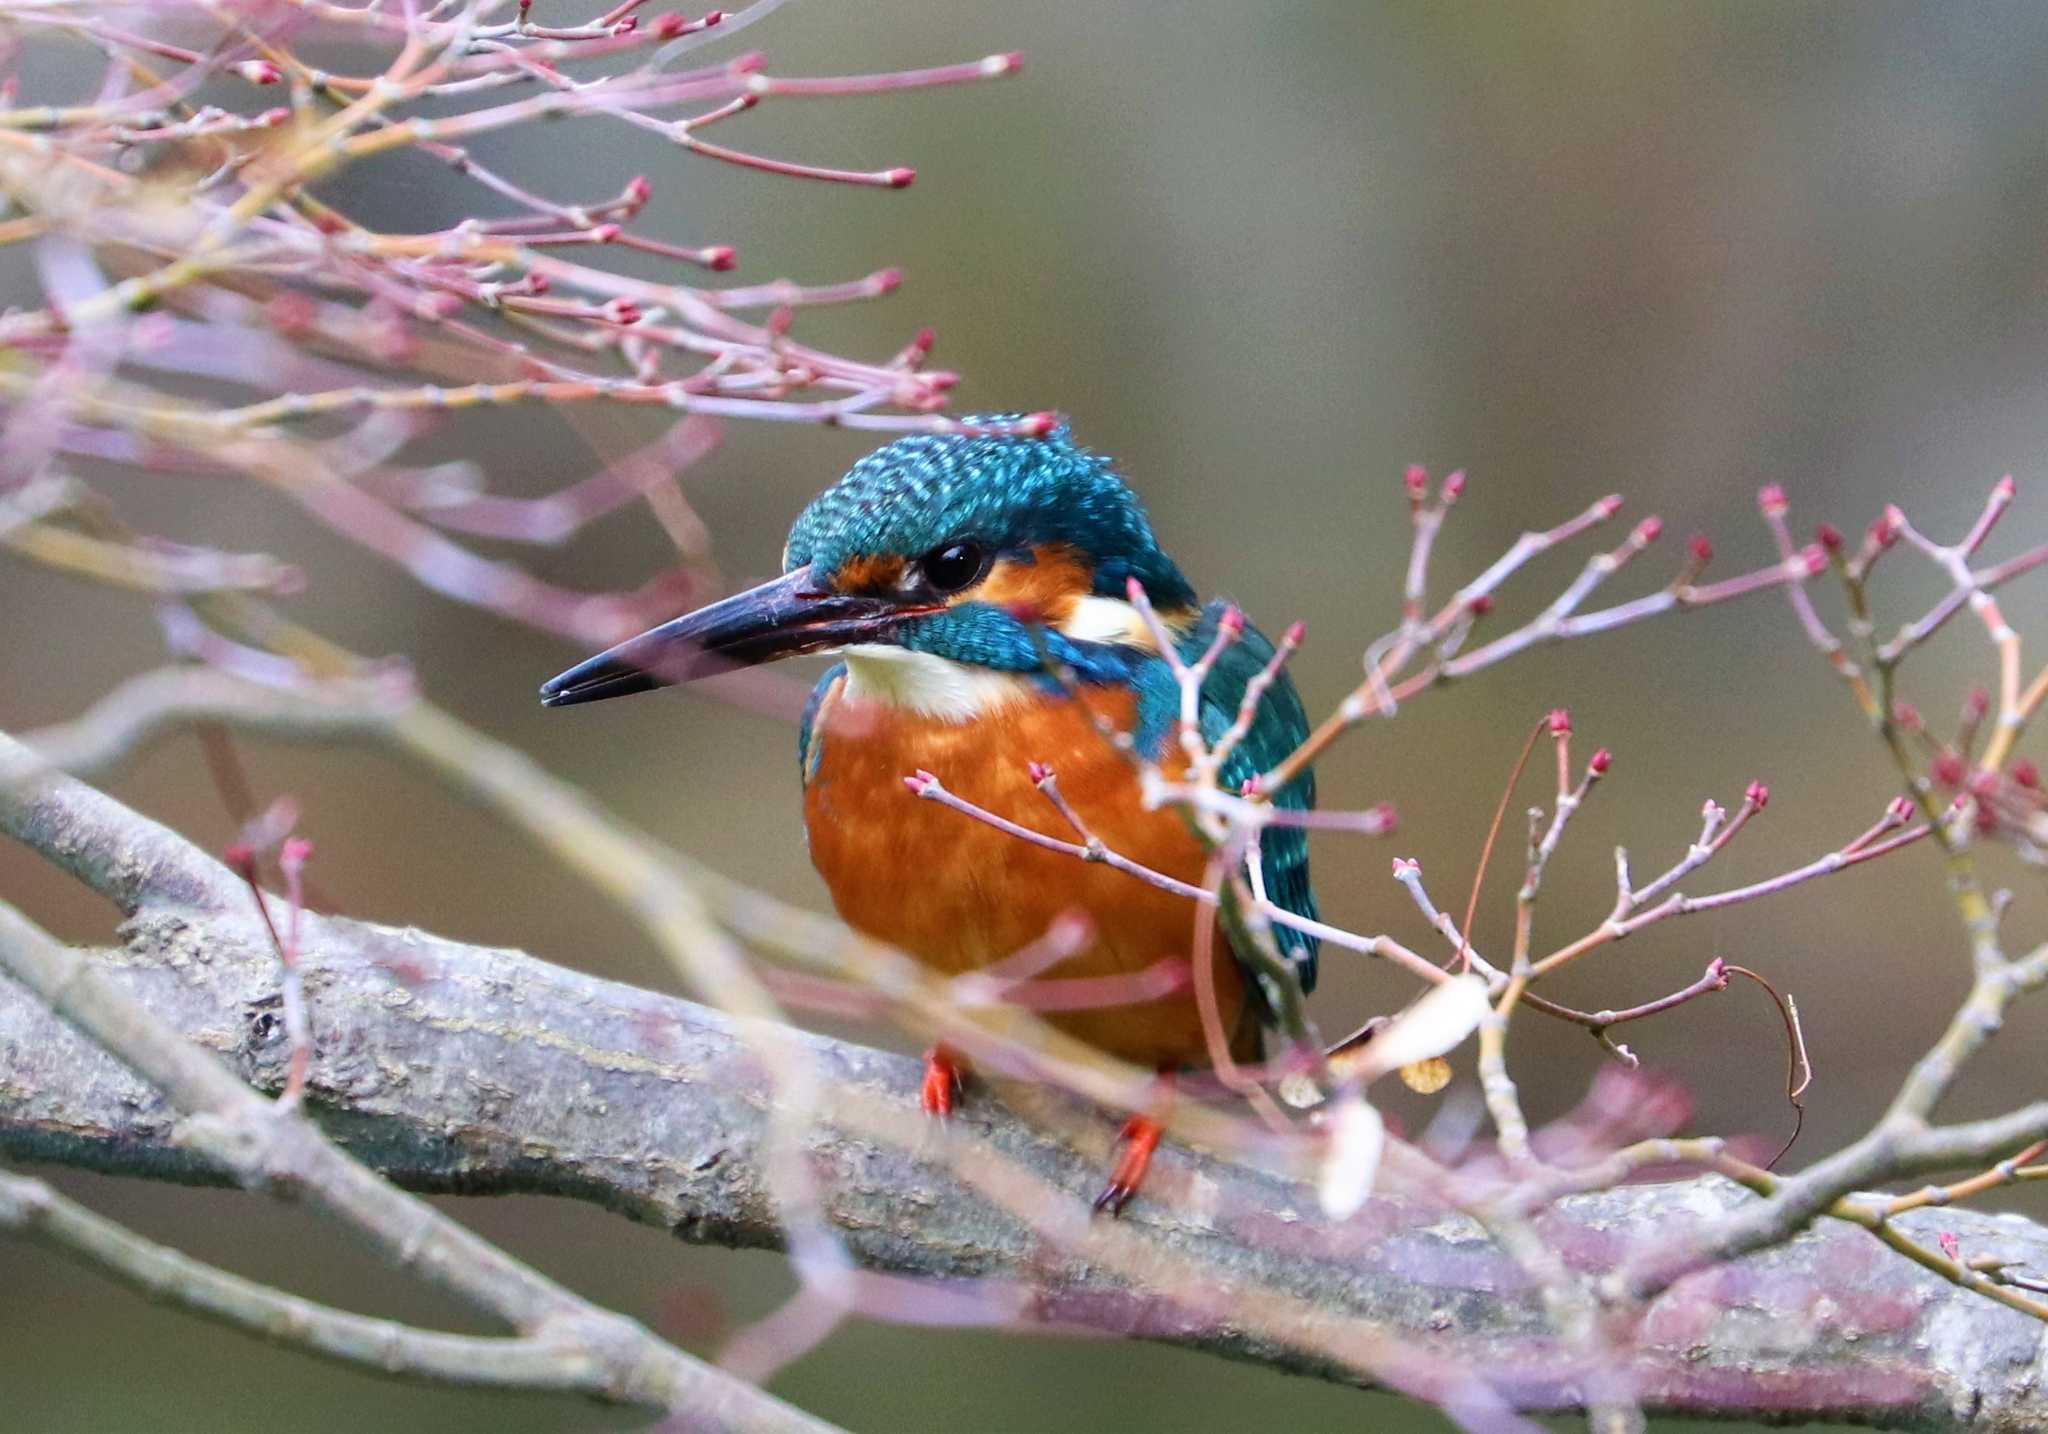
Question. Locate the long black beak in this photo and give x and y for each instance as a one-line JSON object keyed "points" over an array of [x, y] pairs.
{"points": [[776, 619]]}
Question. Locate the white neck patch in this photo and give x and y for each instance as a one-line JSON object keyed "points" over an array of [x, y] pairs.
{"points": [[929, 685], [1108, 619]]}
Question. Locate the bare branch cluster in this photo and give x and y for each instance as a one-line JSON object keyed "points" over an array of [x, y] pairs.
{"points": [[203, 311]]}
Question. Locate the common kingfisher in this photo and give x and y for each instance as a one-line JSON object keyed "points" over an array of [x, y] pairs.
{"points": [[954, 575]]}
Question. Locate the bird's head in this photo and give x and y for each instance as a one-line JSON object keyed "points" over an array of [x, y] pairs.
{"points": [[959, 548]]}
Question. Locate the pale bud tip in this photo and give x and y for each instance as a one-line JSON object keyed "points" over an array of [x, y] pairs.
{"points": [[1649, 530], [1771, 500], [1610, 505]]}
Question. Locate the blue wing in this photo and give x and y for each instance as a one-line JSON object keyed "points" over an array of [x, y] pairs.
{"points": [[807, 750], [1278, 727]]}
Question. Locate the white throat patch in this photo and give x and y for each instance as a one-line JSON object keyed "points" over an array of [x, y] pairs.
{"points": [[929, 685]]}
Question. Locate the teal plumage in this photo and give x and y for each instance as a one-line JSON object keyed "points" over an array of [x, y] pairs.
{"points": [[1278, 726]]}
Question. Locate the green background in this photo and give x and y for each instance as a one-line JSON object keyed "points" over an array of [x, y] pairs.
{"points": [[1266, 256]]}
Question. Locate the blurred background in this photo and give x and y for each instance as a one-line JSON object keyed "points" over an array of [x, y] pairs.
{"points": [[1265, 256]]}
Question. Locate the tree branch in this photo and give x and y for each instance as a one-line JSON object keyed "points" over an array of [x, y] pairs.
{"points": [[460, 1068]]}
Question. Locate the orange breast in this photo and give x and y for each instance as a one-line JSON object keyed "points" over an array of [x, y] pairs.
{"points": [[960, 895]]}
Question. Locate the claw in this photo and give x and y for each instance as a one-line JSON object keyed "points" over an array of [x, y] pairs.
{"points": [[1139, 1138], [944, 1075]]}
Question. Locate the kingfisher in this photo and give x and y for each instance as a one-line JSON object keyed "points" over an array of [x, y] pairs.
{"points": [[977, 590]]}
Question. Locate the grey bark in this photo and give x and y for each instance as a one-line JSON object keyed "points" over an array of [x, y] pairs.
{"points": [[459, 1068]]}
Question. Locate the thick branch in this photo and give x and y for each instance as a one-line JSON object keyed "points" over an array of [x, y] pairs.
{"points": [[462, 1068]]}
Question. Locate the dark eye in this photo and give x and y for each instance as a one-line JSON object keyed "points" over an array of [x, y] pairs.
{"points": [[952, 567]]}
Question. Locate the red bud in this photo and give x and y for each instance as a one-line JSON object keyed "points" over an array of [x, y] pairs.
{"points": [[1598, 763], [1417, 479], [1947, 770], [1829, 537], [1560, 721], [1702, 549], [1771, 499], [900, 178], [1649, 530], [1757, 795], [2026, 774]]}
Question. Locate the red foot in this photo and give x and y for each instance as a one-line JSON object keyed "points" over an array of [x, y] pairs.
{"points": [[944, 1073], [1140, 1137]]}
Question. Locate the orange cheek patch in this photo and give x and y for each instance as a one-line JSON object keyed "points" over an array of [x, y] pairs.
{"points": [[1043, 591], [878, 573]]}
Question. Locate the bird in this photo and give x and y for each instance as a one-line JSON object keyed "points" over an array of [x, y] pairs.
{"points": [[977, 589]]}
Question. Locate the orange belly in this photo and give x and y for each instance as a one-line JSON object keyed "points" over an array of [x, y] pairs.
{"points": [[960, 895]]}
